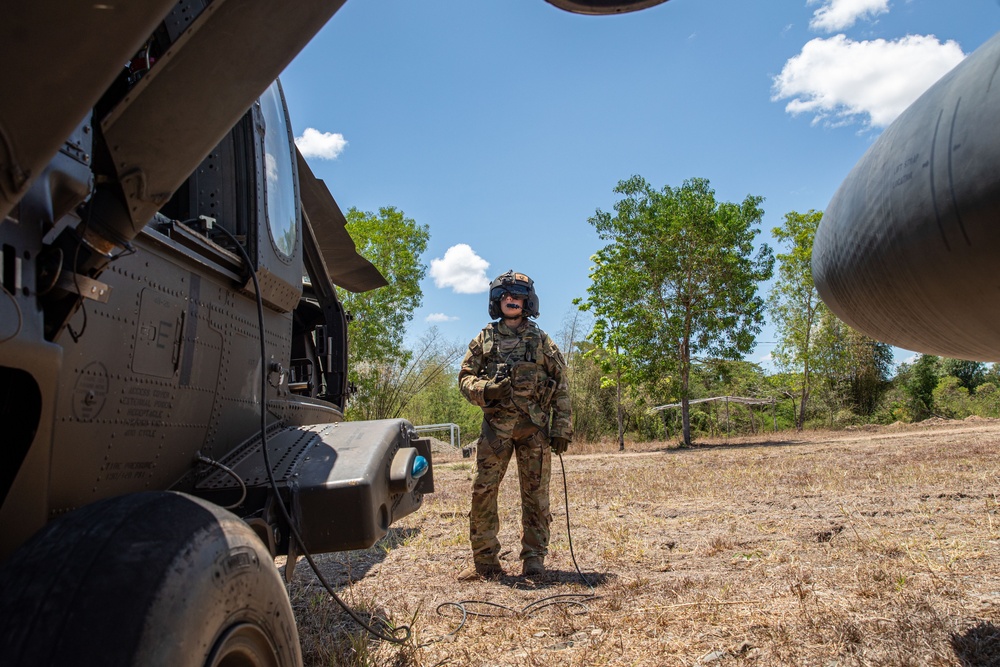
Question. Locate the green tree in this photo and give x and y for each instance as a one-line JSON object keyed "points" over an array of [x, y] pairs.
{"points": [[830, 359], [970, 374], [434, 396], [593, 404], [855, 368], [394, 244], [784, 387], [677, 279], [587, 373], [992, 374], [951, 398], [391, 386], [869, 372], [794, 302], [987, 400], [723, 377], [614, 367], [921, 380]]}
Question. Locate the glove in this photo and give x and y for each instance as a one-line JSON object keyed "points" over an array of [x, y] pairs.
{"points": [[559, 445], [495, 391]]}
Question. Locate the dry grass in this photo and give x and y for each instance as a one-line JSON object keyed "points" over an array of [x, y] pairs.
{"points": [[871, 547]]}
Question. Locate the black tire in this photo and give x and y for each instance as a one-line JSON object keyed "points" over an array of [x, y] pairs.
{"points": [[146, 579]]}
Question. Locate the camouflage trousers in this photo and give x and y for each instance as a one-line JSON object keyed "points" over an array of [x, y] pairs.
{"points": [[534, 465]]}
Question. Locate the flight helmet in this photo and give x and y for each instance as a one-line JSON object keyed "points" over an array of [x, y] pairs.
{"points": [[518, 285]]}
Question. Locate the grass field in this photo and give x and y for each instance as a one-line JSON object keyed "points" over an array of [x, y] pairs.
{"points": [[865, 547]]}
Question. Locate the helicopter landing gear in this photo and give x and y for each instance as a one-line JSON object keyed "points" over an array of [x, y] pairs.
{"points": [[155, 578]]}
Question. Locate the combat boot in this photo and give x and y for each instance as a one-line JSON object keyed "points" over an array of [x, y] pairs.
{"points": [[533, 566], [480, 571]]}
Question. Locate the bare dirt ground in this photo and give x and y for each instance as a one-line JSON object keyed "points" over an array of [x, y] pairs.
{"points": [[878, 546]]}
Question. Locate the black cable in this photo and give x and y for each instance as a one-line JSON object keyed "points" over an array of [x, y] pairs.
{"points": [[17, 309], [270, 474], [569, 533], [77, 335], [127, 249], [527, 611], [232, 473]]}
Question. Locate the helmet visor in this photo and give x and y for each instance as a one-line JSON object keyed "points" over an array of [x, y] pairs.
{"points": [[516, 291]]}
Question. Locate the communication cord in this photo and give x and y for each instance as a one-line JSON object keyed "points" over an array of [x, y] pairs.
{"points": [[529, 610], [232, 473], [17, 309], [393, 632]]}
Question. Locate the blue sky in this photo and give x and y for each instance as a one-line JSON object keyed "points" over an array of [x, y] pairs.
{"points": [[504, 124]]}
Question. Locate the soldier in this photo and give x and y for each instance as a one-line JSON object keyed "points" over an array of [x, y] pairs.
{"points": [[517, 375]]}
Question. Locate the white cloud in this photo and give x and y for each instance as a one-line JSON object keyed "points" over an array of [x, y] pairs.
{"points": [[270, 168], [840, 14], [840, 79], [461, 269], [440, 317], [322, 145]]}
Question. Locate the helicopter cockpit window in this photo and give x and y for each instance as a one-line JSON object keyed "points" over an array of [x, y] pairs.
{"points": [[279, 179]]}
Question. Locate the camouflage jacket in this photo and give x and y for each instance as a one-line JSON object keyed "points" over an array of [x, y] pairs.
{"points": [[540, 392]]}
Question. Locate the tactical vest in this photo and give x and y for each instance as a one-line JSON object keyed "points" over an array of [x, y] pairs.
{"points": [[531, 387]]}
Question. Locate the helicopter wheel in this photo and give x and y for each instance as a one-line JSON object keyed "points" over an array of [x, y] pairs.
{"points": [[154, 578]]}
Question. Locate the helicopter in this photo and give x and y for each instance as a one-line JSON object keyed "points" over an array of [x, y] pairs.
{"points": [[173, 354], [905, 251]]}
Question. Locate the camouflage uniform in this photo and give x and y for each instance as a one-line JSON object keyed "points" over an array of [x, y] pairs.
{"points": [[518, 424]]}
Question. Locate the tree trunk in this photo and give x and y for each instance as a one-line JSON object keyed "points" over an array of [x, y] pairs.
{"points": [[685, 404], [686, 420], [621, 412], [801, 420], [685, 357]]}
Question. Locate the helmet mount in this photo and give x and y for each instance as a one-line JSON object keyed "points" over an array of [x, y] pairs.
{"points": [[517, 285]]}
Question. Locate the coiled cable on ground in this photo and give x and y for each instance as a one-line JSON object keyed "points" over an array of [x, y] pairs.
{"points": [[562, 599]]}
